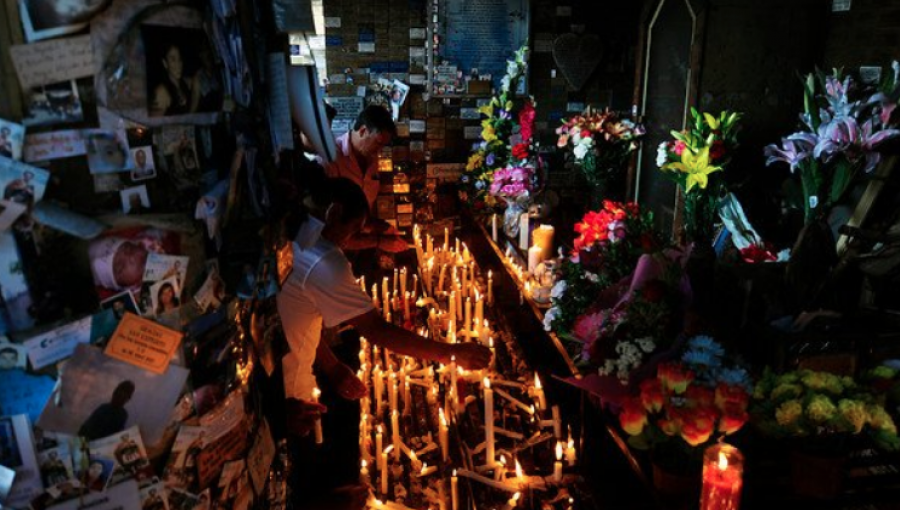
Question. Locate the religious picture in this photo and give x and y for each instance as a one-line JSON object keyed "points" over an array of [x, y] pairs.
{"points": [[127, 449], [399, 91], [135, 200], [102, 396], [144, 167], [120, 303], [165, 296], [118, 259], [12, 137], [56, 103], [97, 474], [56, 466], [182, 77], [107, 151], [12, 355], [154, 497], [42, 19]]}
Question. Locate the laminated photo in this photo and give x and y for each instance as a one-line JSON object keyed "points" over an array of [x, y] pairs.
{"points": [[127, 449], [160, 266], [155, 497], [97, 474], [118, 258], [12, 137], [55, 103], [144, 166], [181, 467], [12, 356], [107, 151], [56, 467], [120, 303], [135, 200], [100, 396]]}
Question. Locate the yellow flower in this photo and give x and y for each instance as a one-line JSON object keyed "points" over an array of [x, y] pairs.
{"points": [[816, 380], [696, 167], [854, 412], [487, 134], [712, 121], [476, 160], [820, 409], [487, 109], [788, 413], [880, 419], [791, 390]]}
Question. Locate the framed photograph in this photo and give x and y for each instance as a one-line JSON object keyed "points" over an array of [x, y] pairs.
{"points": [[135, 200], [42, 19], [182, 77], [12, 137], [107, 151], [101, 396], [144, 166], [56, 103]]}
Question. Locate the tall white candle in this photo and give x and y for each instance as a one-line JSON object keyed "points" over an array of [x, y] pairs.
{"points": [[364, 473], [468, 317], [393, 391], [539, 391], [316, 393], [375, 302], [406, 299], [379, 441], [379, 389], [403, 282], [534, 258], [454, 397], [407, 401], [441, 276], [490, 287], [489, 422], [446, 239], [384, 470]]}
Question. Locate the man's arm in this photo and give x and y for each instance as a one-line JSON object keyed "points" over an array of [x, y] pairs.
{"points": [[372, 326]]}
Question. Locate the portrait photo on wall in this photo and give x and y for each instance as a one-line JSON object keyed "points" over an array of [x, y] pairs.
{"points": [[12, 137], [56, 103], [182, 74], [135, 200], [144, 166], [120, 303], [49, 18]]}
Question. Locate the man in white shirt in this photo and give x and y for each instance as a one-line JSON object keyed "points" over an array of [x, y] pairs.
{"points": [[321, 292]]}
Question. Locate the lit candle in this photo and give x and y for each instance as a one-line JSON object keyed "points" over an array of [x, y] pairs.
{"points": [[570, 451], [384, 470], [490, 287], [403, 281], [479, 310], [395, 433], [316, 393], [557, 466], [392, 388], [489, 422], [513, 501], [534, 258], [396, 279], [427, 470], [494, 227], [543, 238], [539, 391], [443, 273], [454, 491], [378, 440], [467, 324], [406, 299], [493, 352], [375, 302], [379, 388], [364, 473], [451, 306], [446, 239], [456, 250], [453, 396], [443, 436], [362, 283], [723, 468]]}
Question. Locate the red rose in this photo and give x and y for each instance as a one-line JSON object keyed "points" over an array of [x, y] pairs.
{"points": [[520, 151], [679, 147]]}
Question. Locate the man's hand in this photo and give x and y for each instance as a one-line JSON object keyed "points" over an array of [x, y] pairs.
{"points": [[471, 356], [302, 415], [348, 385]]}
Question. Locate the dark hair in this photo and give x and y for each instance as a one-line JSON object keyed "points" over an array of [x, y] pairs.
{"points": [[377, 119], [160, 308], [341, 191]]}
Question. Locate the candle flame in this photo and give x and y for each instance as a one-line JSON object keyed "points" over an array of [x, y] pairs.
{"points": [[424, 467], [379, 429], [571, 443], [389, 449], [559, 450], [487, 383], [364, 464], [316, 392], [454, 472], [723, 461], [516, 496], [519, 473], [537, 381]]}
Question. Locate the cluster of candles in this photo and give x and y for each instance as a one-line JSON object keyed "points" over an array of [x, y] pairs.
{"points": [[414, 407]]}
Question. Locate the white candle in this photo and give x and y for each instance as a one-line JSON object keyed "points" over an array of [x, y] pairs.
{"points": [[427, 470], [395, 433], [570, 451], [375, 302], [443, 273], [534, 258], [457, 246], [446, 239], [403, 281], [406, 299], [430, 244], [379, 441], [490, 287], [415, 285], [539, 391], [444, 436], [491, 483], [453, 395], [557, 466], [494, 227], [364, 473], [454, 491], [396, 279], [524, 234], [513, 501], [489, 422], [393, 391], [316, 393], [468, 317], [384, 470], [451, 306], [479, 310]]}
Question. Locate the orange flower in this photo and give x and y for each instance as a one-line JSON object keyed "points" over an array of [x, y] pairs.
{"points": [[675, 377], [727, 394], [652, 395], [699, 396], [732, 421], [671, 424], [698, 426], [633, 418]]}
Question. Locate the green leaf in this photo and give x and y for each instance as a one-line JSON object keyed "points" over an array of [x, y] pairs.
{"points": [[843, 176], [639, 442]]}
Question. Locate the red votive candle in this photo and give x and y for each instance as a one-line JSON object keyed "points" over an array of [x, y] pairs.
{"points": [[723, 472]]}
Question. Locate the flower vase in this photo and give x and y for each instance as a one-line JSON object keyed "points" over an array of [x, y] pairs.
{"points": [[511, 217]]}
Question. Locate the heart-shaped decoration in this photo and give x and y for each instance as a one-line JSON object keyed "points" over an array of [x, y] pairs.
{"points": [[577, 55]]}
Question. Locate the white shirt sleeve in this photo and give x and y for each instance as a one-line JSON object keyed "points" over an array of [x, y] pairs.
{"points": [[337, 295]]}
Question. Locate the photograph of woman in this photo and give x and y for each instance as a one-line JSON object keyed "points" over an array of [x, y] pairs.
{"points": [[181, 77], [165, 296]]}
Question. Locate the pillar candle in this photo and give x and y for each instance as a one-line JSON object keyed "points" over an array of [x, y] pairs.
{"points": [[543, 238], [454, 491], [489, 422], [723, 467], [315, 397], [534, 258], [557, 466], [524, 233]]}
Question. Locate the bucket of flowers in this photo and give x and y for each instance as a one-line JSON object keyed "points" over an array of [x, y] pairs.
{"points": [[822, 417]]}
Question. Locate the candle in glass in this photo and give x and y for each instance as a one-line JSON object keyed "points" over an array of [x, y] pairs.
{"points": [[723, 468], [543, 238]]}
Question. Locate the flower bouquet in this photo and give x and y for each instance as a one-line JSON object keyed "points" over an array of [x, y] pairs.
{"points": [[841, 132], [695, 160], [506, 137], [687, 404], [599, 143]]}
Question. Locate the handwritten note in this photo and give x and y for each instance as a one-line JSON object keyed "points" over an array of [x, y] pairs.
{"points": [[143, 343], [53, 61], [54, 145]]}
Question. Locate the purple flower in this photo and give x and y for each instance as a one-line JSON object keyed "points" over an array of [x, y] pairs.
{"points": [[869, 139], [795, 149], [835, 137], [489, 161]]}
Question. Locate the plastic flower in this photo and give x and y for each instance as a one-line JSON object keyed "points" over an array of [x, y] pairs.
{"points": [[732, 420], [854, 412], [794, 150], [526, 120], [652, 395], [788, 413], [675, 377], [487, 132], [633, 418], [476, 160], [698, 427], [520, 151], [880, 419], [696, 167], [821, 409]]}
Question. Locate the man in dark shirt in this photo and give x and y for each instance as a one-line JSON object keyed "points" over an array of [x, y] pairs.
{"points": [[109, 418]]}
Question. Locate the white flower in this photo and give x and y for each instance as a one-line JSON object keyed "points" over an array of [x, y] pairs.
{"points": [[575, 138], [646, 344], [580, 151], [559, 289], [504, 84], [592, 277], [549, 317], [662, 154]]}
